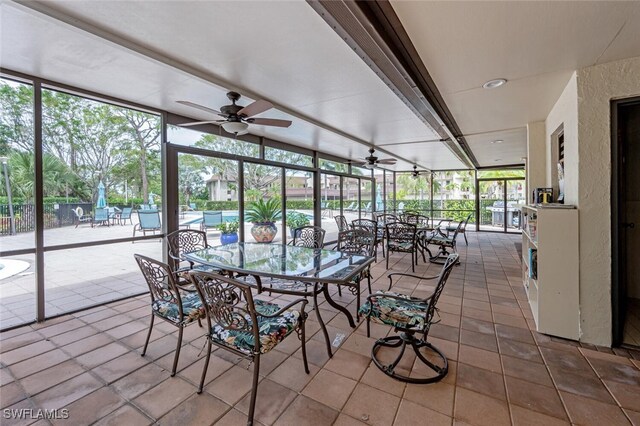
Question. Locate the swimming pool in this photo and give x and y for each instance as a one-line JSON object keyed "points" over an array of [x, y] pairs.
{"points": [[229, 216]]}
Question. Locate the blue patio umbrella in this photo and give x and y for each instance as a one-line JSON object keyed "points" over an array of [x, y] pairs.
{"points": [[101, 202]]}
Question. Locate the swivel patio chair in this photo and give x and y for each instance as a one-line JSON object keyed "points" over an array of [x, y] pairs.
{"points": [[184, 241], [400, 237], [100, 217], [358, 242], [372, 227], [444, 243], [412, 317], [168, 302], [246, 327], [210, 220], [342, 223], [80, 217], [126, 215], [148, 221], [308, 236], [452, 228]]}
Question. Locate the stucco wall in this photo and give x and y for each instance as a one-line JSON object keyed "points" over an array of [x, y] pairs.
{"points": [[565, 113], [597, 86], [584, 109]]}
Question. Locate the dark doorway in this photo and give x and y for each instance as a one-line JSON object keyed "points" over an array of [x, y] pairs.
{"points": [[625, 227]]}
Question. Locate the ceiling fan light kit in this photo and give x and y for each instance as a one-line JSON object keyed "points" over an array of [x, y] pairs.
{"points": [[235, 127]]}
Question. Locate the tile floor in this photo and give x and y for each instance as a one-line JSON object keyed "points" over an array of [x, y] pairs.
{"points": [[501, 372]]}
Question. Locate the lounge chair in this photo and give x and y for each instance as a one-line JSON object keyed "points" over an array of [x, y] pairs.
{"points": [[101, 217], [148, 221], [81, 217], [126, 214], [210, 220], [351, 207], [193, 206]]}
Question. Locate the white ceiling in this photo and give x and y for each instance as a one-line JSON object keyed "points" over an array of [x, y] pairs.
{"points": [[535, 45], [155, 53]]}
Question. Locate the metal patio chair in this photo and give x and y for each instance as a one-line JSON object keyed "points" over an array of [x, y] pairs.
{"points": [[246, 327], [444, 243], [412, 317], [372, 227], [357, 242], [148, 221], [185, 241], [308, 236], [342, 223], [168, 302], [452, 228], [400, 237]]}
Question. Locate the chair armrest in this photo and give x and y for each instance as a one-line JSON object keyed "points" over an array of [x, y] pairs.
{"points": [[284, 308]]}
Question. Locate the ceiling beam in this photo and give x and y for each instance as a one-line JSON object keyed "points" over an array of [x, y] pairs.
{"points": [[374, 31]]}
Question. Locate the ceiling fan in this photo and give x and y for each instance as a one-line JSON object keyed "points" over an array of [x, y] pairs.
{"points": [[372, 161], [236, 118], [415, 173]]}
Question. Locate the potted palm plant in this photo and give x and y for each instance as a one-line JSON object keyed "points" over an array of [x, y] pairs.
{"points": [[229, 232], [296, 220], [263, 215]]}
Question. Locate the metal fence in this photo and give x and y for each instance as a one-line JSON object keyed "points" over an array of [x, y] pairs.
{"points": [[56, 215]]}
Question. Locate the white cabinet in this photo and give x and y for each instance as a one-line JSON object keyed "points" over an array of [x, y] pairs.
{"points": [[553, 286]]}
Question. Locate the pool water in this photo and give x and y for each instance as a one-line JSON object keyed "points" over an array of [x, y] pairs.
{"points": [[228, 216]]}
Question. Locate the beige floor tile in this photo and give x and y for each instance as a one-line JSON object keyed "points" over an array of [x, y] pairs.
{"points": [[271, 401], [234, 418], [101, 355], [38, 363], [307, 412], [232, 385], [50, 377], [344, 420], [140, 381], [348, 364], [535, 397], [330, 389], [436, 396], [523, 417], [588, 411], [126, 415], [292, 375], [193, 373], [378, 407], [120, 367], [477, 409], [410, 414], [197, 410], [480, 358], [379, 380], [67, 392], [157, 401], [28, 351], [92, 407], [10, 394]]}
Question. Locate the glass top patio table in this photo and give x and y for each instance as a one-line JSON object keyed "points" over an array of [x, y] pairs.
{"points": [[283, 261]]}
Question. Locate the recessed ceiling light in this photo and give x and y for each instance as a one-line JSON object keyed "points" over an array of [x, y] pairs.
{"points": [[497, 141], [492, 84]]}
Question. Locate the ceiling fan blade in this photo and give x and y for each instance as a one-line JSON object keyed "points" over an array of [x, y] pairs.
{"points": [[387, 161], [196, 123], [270, 122], [359, 164], [202, 108], [255, 108]]}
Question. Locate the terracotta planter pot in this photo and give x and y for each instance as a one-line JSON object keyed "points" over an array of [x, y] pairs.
{"points": [[264, 232]]}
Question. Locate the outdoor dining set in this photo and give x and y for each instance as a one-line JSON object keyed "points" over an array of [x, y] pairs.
{"points": [[228, 290]]}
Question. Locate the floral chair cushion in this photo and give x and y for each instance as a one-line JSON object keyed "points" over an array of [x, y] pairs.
{"points": [[271, 330], [192, 309], [406, 313], [399, 245], [440, 240]]}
